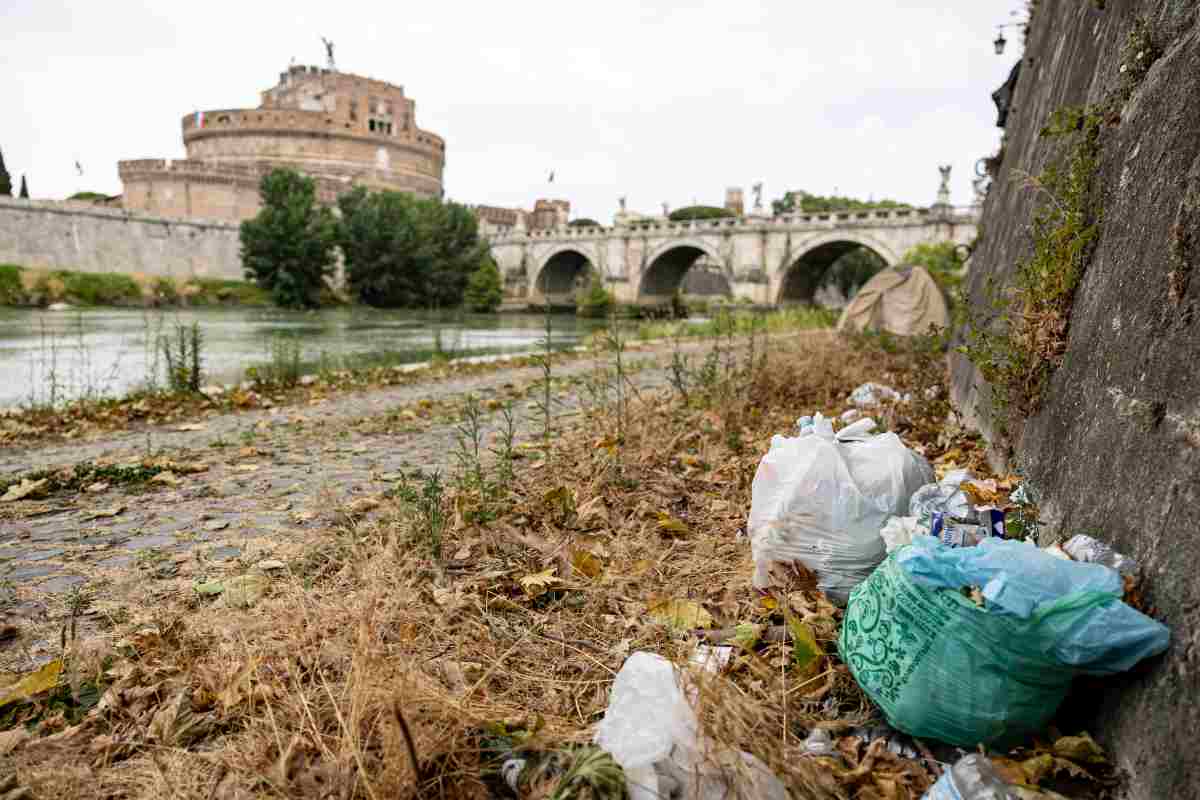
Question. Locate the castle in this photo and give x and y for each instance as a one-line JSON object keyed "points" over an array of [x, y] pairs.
{"points": [[343, 130]]}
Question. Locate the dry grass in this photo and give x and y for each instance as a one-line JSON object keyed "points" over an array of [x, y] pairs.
{"points": [[308, 693]]}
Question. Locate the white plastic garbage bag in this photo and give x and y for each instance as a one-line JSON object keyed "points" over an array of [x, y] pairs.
{"points": [[651, 730], [821, 499]]}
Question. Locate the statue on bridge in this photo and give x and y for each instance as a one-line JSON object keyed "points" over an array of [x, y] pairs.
{"points": [[757, 189], [944, 189], [329, 54], [621, 200], [666, 209]]}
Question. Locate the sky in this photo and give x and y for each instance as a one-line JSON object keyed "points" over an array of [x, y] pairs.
{"points": [[655, 101]]}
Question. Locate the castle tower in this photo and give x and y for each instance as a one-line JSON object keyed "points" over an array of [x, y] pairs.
{"points": [[343, 130]]}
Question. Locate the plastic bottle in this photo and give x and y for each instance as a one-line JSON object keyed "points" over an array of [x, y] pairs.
{"points": [[972, 778], [819, 743]]}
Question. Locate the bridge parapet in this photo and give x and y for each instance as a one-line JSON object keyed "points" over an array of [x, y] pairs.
{"points": [[882, 217]]}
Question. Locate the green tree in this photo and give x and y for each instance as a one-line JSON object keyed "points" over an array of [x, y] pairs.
{"points": [[288, 249], [806, 203], [405, 251], [699, 212], [485, 290], [584, 222], [944, 261], [5, 178], [24, 188]]}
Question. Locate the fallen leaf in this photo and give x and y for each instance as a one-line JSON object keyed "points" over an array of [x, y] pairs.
{"points": [[1038, 768], [216, 525], [586, 564], [106, 512], [362, 505], [167, 478], [245, 590], [26, 488], [209, 589], [747, 635], [561, 500], [539, 582], [462, 553], [669, 526], [682, 615], [246, 468], [1080, 749], [191, 426], [95, 488], [12, 739], [33, 684], [806, 652]]}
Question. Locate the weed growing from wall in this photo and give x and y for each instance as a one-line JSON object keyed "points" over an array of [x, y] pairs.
{"points": [[1018, 356]]}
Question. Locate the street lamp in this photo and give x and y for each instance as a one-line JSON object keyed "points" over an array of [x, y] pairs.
{"points": [[1000, 42]]}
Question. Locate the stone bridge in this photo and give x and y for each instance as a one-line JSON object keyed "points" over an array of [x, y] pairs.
{"points": [[767, 260]]}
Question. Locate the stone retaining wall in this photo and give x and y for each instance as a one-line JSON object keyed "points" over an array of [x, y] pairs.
{"points": [[87, 238]]}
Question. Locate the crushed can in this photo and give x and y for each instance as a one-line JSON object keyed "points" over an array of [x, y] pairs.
{"points": [[994, 519]]}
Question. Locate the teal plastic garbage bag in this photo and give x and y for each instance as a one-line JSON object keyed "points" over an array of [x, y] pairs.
{"points": [[941, 667], [1019, 579]]}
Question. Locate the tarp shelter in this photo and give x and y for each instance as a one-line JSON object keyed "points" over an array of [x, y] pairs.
{"points": [[903, 300]]}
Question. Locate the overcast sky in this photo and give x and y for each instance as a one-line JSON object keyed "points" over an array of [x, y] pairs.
{"points": [[658, 101]]}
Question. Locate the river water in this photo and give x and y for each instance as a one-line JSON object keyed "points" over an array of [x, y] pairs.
{"points": [[54, 356]]}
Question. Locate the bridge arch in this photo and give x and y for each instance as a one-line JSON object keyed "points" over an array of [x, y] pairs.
{"points": [[561, 272], [668, 263], [803, 275]]}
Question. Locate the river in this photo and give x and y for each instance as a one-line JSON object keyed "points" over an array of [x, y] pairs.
{"points": [[54, 356]]}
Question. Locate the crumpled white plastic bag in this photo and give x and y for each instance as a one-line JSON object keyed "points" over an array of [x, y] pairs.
{"points": [[821, 500], [651, 730]]}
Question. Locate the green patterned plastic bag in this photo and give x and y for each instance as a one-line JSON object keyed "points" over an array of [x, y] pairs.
{"points": [[941, 667]]}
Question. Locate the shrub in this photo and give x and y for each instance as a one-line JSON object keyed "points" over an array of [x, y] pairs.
{"points": [[596, 301], [98, 288], [485, 290], [288, 249], [698, 212], [584, 222], [11, 290]]}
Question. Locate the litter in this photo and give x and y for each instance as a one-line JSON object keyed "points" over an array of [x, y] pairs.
{"points": [[822, 499], [820, 743], [651, 730], [872, 394], [941, 666], [849, 416], [944, 497], [974, 778], [899, 531], [1082, 547]]}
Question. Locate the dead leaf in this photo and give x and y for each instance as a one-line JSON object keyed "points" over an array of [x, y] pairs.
{"points": [[34, 683], [26, 488], [669, 526], [586, 564], [681, 615], [97, 487], [191, 426], [12, 739], [1080, 749], [167, 478], [539, 583], [362, 505], [246, 468], [462, 553], [106, 512]]}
